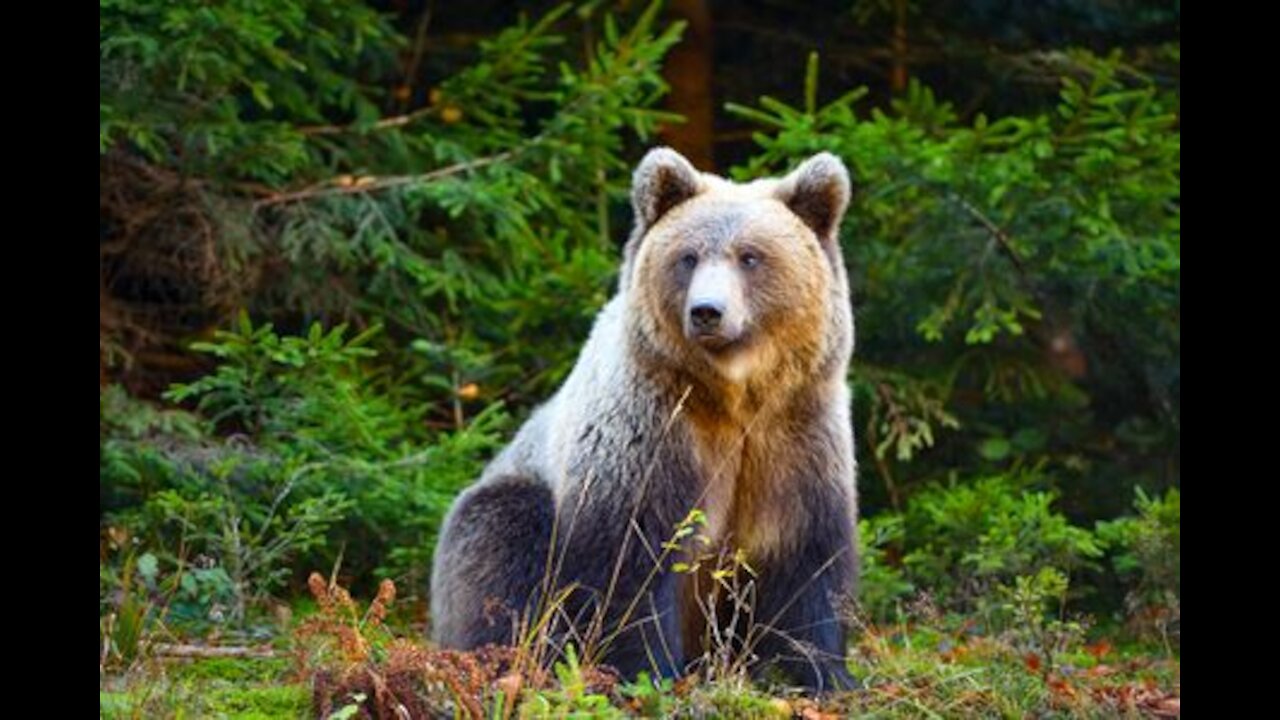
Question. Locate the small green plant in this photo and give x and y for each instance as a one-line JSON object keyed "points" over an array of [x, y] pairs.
{"points": [[734, 699], [574, 697], [1148, 554], [1032, 611], [123, 629], [204, 594], [882, 585], [348, 711], [647, 698]]}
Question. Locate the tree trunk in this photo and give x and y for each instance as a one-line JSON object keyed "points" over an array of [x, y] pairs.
{"points": [[898, 73], [688, 71]]}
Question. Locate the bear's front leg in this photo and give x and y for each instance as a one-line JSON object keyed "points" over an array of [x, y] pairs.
{"points": [[622, 605], [799, 584]]}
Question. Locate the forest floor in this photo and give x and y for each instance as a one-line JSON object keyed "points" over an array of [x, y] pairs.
{"points": [[336, 661]]}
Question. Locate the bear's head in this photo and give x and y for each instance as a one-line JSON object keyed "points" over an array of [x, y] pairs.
{"points": [[734, 283]]}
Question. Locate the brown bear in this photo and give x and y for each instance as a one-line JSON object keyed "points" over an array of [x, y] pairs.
{"points": [[714, 379]]}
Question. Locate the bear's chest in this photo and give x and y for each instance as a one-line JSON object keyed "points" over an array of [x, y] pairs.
{"points": [[729, 472], [719, 465]]}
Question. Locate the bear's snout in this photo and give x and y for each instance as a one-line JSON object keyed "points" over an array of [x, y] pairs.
{"points": [[713, 309]]}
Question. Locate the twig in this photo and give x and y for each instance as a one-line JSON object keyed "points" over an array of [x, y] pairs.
{"points": [[383, 124], [381, 183], [419, 49], [209, 651], [873, 437], [996, 232]]}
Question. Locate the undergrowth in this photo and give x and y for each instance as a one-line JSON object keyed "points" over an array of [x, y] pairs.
{"points": [[344, 661]]}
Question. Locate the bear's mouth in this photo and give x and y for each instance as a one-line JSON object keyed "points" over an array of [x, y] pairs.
{"points": [[719, 344]]}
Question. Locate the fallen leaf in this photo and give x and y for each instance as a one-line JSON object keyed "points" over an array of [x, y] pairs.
{"points": [[1098, 649], [1061, 687], [1100, 671], [1167, 708], [510, 684]]}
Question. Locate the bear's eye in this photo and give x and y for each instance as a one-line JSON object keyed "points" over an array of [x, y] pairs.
{"points": [[688, 261], [749, 259]]}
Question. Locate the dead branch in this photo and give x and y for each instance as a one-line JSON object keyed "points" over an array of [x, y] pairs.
{"points": [[378, 184], [209, 651]]}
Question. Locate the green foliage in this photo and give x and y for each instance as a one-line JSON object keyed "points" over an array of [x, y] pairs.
{"points": [[881, 584], [502, 279], [270, 385], [320, 436], [968, 539], [904, 413], [123, 416], [1147, 554], [1149, 547], [241, 670], [222, 88], [201, 592], [346, 712], [252, 539], [132, 457]]}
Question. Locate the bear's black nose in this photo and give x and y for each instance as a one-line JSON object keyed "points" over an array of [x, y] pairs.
{"points": [[705, 316]]}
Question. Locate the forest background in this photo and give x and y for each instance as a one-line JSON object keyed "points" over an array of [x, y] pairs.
{"points": [[345, 248]]}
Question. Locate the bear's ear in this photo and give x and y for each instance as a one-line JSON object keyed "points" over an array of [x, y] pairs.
{"points": [[818, 193], [662, 180]]}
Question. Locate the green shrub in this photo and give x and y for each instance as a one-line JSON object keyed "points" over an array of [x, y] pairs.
{"points": [[967, 539]]}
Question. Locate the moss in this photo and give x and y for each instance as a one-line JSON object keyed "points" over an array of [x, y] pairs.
{"points": [[210, 689], [114, 704], [733, 700], [234, 669], [261, 702]]}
